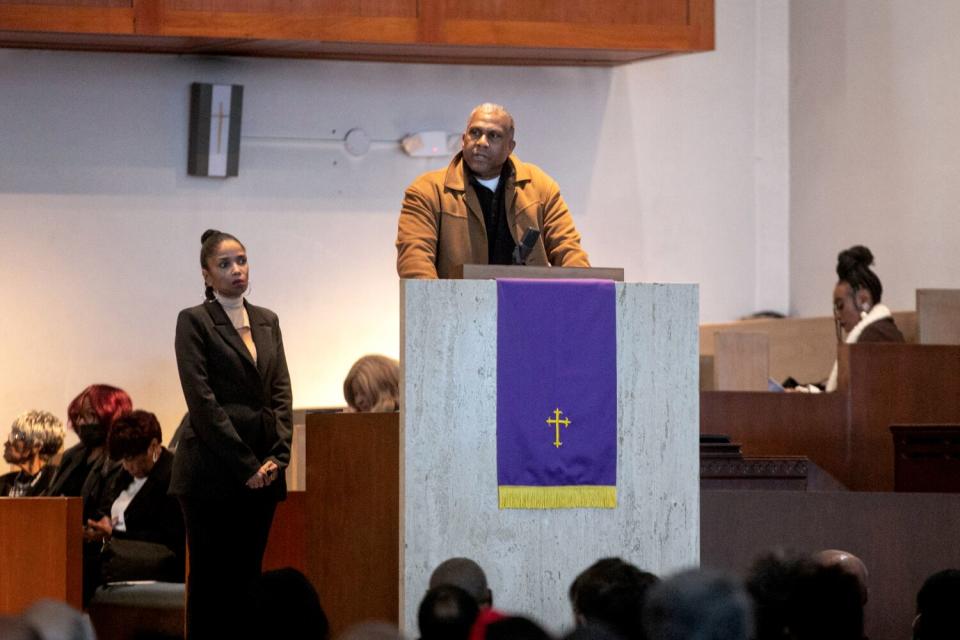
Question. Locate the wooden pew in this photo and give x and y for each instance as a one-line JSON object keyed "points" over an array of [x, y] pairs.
{"points": [[353, 515], [741, 361], [41, 557], [287, 544], [41, 554], [927, 457], [847, 433], [804, 348], [938, 316], [768, 424]]}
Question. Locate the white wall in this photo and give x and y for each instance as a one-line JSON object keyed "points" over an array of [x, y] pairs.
{"points": [[691, 136], [662, 162], [874, 153]]}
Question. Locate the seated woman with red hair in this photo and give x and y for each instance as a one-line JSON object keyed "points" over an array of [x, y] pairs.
{"points": [[84, 465]]}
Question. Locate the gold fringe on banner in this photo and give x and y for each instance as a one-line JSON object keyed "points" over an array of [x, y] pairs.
{"points": [[566, 497]]}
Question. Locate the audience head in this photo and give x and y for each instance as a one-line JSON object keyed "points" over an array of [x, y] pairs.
{"points": [[858, 288], [938, 607], [515, 628], [134, 440], [488, 140], [466, 574], [766, 314], [848, 563], [92, 412], [698, 605], [611, 592], [373, 385], [799, 599], [55, 620], [773, 584], [34, 435], [833, 606], [288, 592], [223, 263], [447, 613]]}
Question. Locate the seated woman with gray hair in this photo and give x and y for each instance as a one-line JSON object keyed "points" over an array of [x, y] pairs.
{"points": [[35, 437], [373, 385]]}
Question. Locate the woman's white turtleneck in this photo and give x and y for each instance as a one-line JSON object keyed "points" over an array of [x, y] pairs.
{"points": [[237, 313]]}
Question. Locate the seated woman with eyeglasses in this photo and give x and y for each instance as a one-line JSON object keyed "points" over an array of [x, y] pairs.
{"points": [[35, 437]]}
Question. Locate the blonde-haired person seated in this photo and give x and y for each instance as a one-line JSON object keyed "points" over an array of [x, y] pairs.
{"points": [[35, 437], [373, 385]]}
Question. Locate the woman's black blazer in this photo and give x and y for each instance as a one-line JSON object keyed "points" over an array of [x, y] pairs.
{"points": [[241, 413], [152, 515]]}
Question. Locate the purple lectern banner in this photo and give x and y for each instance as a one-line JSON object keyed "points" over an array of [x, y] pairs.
{"points": [[556, 393]]}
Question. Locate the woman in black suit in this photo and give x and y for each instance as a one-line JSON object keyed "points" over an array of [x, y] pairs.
{"points": [[228, 470]]}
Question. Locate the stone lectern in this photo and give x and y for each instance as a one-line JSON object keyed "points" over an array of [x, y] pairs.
{"points": [[447, 447]]}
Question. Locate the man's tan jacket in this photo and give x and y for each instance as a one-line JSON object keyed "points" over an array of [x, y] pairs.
{"points": [[441, 223]]}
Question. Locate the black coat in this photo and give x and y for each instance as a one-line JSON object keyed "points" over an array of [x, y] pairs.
{"points": [[72, 472], [241, 413], [45, 474], [153, 515], [76, 476]]}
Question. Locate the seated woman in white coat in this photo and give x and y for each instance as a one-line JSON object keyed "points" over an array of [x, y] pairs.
{"points": [[857, 310]]}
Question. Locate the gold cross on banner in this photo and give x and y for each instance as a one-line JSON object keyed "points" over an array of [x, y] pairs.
{"points": [[556, 422], [220, 117]]}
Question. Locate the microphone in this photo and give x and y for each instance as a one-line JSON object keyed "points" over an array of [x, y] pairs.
{"points": [[522, 250]]}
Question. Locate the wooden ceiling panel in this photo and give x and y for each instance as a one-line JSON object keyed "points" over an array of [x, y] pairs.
{"points": [[624, 12], [361, 8], [540, 32]]}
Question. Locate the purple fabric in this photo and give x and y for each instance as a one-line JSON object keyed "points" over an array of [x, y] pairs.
{"points": [[556, 348]]}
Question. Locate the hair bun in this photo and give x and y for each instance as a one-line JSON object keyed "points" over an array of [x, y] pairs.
{"points": [[207, 234], [853, 259]]}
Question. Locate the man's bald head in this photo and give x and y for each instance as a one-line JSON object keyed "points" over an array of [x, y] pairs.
{"points": [[488, 140], [849, 563], [489, 108], [466, 574]]}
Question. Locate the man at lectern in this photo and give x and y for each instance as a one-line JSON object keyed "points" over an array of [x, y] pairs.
{"points": [[479, 209]]}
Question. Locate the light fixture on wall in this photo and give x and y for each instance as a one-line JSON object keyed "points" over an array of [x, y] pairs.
{"points": [[430, 144], [357, 142], [214, 145]]}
